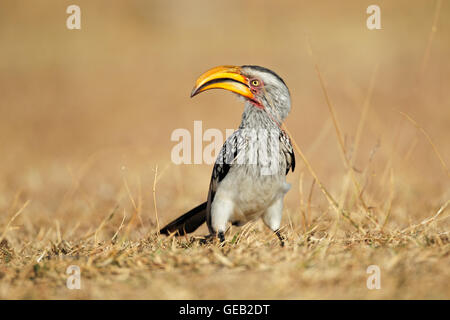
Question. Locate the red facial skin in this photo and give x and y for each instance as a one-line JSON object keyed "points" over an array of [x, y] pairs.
{"points": [[256, 90]]}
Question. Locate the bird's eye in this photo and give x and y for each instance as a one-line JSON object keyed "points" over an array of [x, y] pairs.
{"points": [[255, 83]]}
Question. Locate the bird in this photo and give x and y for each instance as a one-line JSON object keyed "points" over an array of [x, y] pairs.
{"points": [[248, 179]]}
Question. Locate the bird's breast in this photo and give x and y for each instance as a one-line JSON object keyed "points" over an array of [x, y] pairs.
{"points": [[251, 194]]}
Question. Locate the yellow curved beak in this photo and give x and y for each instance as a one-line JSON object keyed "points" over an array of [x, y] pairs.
{"points": [[223, 77]]}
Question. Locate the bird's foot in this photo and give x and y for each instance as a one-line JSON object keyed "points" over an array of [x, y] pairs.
{"points": [[210, 239], [206, 239]]}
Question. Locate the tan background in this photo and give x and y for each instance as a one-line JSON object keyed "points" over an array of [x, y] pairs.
{"points": [[86, 114]]}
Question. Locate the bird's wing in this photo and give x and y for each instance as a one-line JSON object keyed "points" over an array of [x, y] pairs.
{"points": [[230, 152], [288, 151]]}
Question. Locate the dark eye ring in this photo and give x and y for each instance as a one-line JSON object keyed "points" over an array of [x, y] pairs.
{"points": [[255, 83]]}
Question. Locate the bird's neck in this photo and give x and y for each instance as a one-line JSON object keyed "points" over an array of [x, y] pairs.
{"points": [[254, 117]]}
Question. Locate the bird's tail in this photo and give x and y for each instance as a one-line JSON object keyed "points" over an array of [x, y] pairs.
{"points": [[188, 222]]}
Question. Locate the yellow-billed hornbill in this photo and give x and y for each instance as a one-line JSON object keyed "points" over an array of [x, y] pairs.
{"points": [[249, 176]]}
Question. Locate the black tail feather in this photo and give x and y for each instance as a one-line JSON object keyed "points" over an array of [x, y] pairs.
{"points": [[188, 222]]}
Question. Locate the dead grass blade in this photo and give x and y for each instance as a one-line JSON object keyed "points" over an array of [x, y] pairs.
{"points": [[2, 236], [422, 130], [338, 130], [328, 196], [431, 219], [104, 221], [154, 199]]}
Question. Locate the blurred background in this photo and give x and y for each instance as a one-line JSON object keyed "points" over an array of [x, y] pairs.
{"points": [[86, 115]]}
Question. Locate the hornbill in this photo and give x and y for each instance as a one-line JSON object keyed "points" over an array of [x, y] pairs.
{"points": [[249, 176]]}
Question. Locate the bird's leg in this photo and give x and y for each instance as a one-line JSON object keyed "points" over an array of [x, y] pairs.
{"points": [[272, 218], [280, 236], [221, 236], [221, 211]]}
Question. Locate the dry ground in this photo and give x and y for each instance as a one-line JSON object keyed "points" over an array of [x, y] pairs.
{"points": [[85, 171]]}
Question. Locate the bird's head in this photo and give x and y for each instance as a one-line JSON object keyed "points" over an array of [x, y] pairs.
{"points": [[261, 87]]}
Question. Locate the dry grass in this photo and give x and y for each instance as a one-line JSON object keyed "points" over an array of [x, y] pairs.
{"points": [[86, 177], [312, 265]]}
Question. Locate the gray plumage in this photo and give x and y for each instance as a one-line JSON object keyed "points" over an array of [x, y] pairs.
{"points": [[249, 176]]}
